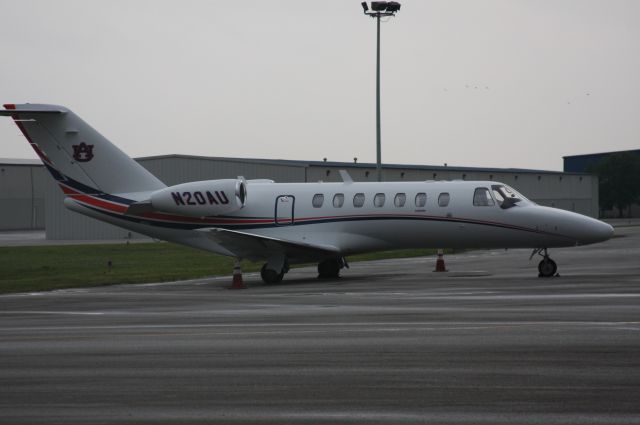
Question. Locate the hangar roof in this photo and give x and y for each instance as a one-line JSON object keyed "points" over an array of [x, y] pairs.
{"points": [[333, 164], [602, 153], [580, 163], [336, 164]]}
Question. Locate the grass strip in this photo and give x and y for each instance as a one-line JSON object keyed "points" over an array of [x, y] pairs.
{"points": [[41, 268]]}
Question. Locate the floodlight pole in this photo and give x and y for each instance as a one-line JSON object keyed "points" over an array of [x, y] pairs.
{"points": [[378, 127], [388, 9]]}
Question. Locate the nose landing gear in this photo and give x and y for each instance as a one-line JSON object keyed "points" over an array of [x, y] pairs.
{"points": [[547, 267]]}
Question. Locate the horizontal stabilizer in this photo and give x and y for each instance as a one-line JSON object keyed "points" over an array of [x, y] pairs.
{"points": [[10, 109], [10, 112], [256, 247]]}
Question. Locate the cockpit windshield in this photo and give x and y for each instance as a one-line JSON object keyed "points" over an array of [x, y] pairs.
{"points": [[507, 196]]}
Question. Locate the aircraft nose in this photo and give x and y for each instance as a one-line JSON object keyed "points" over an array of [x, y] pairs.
{"points": [[606, 231], [598, 231]]}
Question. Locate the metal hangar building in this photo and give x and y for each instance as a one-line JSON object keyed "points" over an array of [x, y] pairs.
{"points": [[22, 191]]}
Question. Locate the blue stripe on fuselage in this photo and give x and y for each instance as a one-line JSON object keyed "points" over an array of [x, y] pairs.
{"points": [[193, 226], [84, 189]]}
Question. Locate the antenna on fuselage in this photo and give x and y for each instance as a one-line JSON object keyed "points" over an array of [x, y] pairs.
{"points": [[346, 178]]}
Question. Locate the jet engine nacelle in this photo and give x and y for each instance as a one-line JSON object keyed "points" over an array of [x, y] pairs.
{"points": [[201, 199]]}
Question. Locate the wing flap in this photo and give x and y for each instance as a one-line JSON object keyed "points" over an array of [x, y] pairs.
{"points": [[257, 247]]}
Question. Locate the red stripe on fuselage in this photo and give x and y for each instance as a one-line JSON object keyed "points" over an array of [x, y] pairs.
{"points": [[91, 200], [87, 199], [121, 209], [184, 219], [118, 208], [67, 190]]}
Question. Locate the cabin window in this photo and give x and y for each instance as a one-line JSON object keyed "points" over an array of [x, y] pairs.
{"points": [[506, 196], [443, 199], [421, 200], [358, 200], [338, 200], [378, 200], [318, 200], [498, 195], [482, 197], [400, 200]]}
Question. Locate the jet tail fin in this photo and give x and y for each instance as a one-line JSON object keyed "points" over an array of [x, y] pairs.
{"points": [[76, 154]]}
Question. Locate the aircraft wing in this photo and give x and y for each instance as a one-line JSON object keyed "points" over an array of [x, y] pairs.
{"points": [[256, 247]]}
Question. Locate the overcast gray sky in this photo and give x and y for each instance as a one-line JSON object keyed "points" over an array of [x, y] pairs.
{"points": [[500, 83]]}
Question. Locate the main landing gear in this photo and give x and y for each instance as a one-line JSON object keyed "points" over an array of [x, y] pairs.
{"points": [[327, 269], [547, 267], [274, 269], [330, 269], [271, 276]]}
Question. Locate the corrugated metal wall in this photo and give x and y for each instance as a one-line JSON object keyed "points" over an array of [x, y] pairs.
{"points": [[174, 170], [22, 204]]}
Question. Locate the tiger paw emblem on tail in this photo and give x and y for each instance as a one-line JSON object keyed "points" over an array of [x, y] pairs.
{"points": [[82, 152]]}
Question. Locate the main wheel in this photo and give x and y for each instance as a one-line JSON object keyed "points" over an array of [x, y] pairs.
{"points": [[270, 276], [329, 269], [547, 267]]}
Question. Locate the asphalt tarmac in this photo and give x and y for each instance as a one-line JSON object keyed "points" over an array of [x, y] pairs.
{"points": [[390, 342]]}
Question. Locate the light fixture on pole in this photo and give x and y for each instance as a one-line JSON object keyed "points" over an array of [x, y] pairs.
{"points": [[378, 10]]}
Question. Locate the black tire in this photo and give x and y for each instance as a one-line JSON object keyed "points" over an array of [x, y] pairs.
{"points": [[329, 269], [270, 276], [547, 267]]}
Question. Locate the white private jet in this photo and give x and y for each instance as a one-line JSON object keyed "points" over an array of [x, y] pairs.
{"points": [[287, 223]]}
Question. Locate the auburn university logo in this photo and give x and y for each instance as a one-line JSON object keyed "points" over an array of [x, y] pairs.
{"points": [[83, 152]]}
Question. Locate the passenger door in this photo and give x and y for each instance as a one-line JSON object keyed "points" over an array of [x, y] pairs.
{"points": [[284, 209]]}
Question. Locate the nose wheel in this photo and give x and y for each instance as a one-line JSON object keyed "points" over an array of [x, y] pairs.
{"points": [[546, 267]]}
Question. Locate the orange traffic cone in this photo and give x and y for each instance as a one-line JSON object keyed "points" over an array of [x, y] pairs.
{"points": [[440, 262], [238, 283]]}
